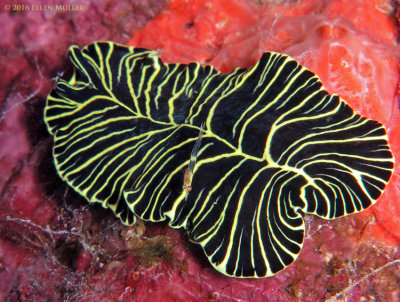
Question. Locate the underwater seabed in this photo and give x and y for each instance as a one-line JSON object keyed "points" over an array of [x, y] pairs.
{"points": [[55, 246]]}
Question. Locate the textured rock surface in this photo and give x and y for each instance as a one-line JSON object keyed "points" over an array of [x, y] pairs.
{"points": [[55, 246]]}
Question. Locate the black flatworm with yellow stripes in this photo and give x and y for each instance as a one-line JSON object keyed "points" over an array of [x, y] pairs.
{"points": [[275, 144]]}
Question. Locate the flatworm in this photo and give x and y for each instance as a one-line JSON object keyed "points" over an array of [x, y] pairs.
{"points": [[275, 145]]}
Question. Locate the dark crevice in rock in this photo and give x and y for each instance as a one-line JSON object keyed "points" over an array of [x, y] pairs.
{"points": [[67, 253]]}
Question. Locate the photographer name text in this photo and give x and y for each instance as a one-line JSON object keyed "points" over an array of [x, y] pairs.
{"points": [[40, 7]]}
